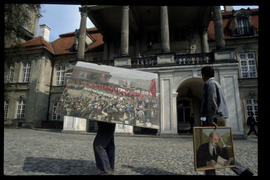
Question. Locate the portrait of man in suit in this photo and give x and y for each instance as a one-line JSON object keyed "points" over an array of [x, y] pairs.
{"points": [[212, 155]]}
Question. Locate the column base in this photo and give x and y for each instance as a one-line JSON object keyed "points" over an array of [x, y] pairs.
{"points": [[165, 58], [122, 61]]}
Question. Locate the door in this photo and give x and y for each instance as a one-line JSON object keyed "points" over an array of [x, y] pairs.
{"points": [[184, 113]]}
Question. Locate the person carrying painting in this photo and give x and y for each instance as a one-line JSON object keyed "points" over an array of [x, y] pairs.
{"points": [[104, 148], [214, 111]]}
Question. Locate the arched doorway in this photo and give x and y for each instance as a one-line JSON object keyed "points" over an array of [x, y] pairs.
{"points": [[188, 104]]}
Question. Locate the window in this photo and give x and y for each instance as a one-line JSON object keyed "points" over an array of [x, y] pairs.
{"points": [[248, 65], [20, 109], [5, 109], [10, 74], [26, 72], [55, 116], [60, 75], [243, 26], [252, 106]]}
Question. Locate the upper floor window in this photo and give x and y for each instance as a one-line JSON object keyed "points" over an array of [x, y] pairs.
{"points": [[26, 72], [248, 65], [55, 116], [252, 106], [5, 109], [20, 109], [243, 26], [10, 74], [60, 75]]}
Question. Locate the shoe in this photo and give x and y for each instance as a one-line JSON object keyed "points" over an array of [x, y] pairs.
{"points": [[110, 172], [247, 172]]}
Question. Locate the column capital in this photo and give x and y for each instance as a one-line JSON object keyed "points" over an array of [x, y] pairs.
{"points": [[83, 9]]}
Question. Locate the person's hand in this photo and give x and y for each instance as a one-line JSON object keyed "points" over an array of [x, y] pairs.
{"points": [[211, 163], [228, 162], [214, 124], [203, 118]]}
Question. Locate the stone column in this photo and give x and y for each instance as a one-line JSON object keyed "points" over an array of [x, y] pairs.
{"points": [[82, 33], [205, 41], [164, 24], [105, 51], [125, 31], [218, 24]]}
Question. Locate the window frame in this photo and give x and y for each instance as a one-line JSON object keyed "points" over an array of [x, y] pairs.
{"points": [[60, 75], [248, 65], [20, 109], [26, 71], [6, 104], [55, 116], [252, 106], [243, 26], [10, 75]]}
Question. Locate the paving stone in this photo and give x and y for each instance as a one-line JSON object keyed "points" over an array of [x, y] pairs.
{"points": [[36, 152]]}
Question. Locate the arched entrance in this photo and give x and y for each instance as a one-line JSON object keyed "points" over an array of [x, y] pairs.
{"points": [[188, 104]]}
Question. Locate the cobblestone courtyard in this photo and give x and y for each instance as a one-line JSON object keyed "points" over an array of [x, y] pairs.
{"points": [[36, 152]]}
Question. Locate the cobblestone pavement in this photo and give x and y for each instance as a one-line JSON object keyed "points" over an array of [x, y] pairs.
{"points": [[39, 152]]}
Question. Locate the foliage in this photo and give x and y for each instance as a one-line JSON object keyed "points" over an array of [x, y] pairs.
{"points": [[16, 15]]}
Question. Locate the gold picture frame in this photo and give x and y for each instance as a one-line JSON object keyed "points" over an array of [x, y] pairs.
{"points": [[213, 148]]}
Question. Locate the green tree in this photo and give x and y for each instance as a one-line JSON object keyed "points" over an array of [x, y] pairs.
{"points": [[15, 16]]}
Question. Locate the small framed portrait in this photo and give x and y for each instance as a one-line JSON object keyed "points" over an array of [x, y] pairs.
{"points": [[213, 148]]}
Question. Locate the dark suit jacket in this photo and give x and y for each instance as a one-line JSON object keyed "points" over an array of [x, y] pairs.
{"points": [[203, 154]]}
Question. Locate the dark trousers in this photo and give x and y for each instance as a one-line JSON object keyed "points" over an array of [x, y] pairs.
{"points": [[252, 129], [104, 150]]}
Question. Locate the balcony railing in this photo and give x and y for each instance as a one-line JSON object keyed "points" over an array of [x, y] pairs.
{"points": [[145, 61], [192, 59], [178, 59], [105, 62]]}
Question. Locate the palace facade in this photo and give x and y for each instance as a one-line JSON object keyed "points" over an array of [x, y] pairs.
{"points": [[173, 42]]}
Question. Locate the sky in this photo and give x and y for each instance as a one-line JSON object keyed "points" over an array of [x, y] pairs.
{"points": [[66, 18]]}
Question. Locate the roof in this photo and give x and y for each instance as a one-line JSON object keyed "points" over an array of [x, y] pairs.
{"points": [[38, 43], [63, 45], [227, 18]]}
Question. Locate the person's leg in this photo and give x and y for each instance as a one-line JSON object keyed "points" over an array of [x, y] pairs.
{"points": [[111, 153], [253, 129], [101, 157], [97, 157], [241, 170], [210, 172], [250, 130]]}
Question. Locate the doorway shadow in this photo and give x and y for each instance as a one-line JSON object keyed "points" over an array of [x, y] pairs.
{"points": [[59, 166], [148, 170]]}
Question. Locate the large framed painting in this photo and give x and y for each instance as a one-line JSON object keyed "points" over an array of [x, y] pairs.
{"points": [[213, 148], [111, 94]]}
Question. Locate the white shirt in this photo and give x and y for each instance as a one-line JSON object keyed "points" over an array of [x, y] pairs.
{"points": [[211, 148]]}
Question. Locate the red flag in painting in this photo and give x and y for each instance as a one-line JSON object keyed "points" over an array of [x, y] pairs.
{"points": [[153, 87]]}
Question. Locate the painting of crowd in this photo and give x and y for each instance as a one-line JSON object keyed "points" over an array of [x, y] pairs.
{"points": [[95, 98]]}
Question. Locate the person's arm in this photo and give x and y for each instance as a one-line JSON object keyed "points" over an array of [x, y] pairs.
{"points": [[209, 103]]}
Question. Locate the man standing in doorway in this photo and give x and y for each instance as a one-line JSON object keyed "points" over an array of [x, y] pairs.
{"points": [[214, 111]]}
